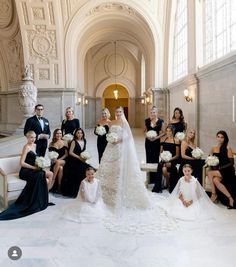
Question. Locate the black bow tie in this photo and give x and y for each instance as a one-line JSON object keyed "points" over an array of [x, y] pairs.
{"points": [[39, 118]]}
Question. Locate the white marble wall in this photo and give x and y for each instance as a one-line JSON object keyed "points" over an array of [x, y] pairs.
{"points": [[211, 108]]}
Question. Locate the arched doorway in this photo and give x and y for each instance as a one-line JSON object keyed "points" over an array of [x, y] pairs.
{"points": [[110, 100]]}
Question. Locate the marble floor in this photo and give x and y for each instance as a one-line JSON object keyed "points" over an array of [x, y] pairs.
{"points": [[48, 240]]}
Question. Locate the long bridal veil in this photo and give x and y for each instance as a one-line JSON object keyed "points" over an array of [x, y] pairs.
{"points": [[135, 210], [131, 190]]}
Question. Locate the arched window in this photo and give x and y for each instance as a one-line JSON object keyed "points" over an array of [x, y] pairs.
{"points": [[180, 63], [219, 24]]}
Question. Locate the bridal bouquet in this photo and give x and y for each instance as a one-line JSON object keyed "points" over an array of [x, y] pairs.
{"points": [[100, 130], [67, 137], [85, 155], [151, 134], [212, 161], [42, 163], [197, 153], [53, 155], [180, 136], [112, 138], [166, 156]]}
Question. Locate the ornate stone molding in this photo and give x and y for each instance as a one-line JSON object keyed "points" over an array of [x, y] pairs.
{"points": [[42, 44], [6, 13], [111, 7]]}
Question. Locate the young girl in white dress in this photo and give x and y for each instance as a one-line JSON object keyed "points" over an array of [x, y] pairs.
{"points": [[189, 201], [88, 207]]}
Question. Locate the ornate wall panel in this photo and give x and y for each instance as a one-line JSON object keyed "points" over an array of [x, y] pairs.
{"points": [[42, 37]]}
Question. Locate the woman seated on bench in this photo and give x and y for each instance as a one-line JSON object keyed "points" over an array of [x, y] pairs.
{"points": [[34, 196]]}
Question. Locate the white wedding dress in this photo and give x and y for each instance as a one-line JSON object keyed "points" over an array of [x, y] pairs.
{"points": [[89, 208], [124, 191], [202, 208]]}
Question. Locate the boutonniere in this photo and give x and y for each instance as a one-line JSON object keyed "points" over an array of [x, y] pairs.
{"points": [[46, 123]]}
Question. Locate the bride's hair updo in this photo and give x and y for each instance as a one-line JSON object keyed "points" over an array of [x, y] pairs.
{"points": [[119, 107]]}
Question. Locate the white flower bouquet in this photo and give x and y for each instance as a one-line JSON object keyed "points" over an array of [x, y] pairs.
{"points": [[151, 134], [53, 155], [212, 161], [68, 137], [166, 156], [180, 136], [85, 155], [42, 162], [197, 153], [112, 138], [100, 130]]}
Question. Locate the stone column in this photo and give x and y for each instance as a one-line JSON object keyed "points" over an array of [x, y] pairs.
{"points": [[27, 97], [161, 101]]}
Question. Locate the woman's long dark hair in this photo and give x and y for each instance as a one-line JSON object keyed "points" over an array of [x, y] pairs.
{"points": [[54, 136], [223, 148], [181, 119], [75, 132]]}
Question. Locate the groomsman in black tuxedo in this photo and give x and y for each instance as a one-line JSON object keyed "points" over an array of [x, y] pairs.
{"points": [[40, 126]]}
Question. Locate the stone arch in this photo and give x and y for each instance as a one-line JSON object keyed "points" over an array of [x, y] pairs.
{"points": [[124, 82], [81, 27]]}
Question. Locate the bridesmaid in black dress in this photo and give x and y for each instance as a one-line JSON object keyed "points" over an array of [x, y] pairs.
{"points": [[101, 140], [222, 177], [168, 169], [187, 147], [34, 196], [59, 146], [152, 146], [70, 123], [178, 121], [75, 167]]}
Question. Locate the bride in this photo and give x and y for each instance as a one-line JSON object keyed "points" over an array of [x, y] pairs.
{"points": [[119, 173]]}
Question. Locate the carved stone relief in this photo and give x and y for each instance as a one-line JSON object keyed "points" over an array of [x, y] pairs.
{"points": [[44, 74], [111, 7], [6, 13], [38, 13], [14, 53], [42, 44]]}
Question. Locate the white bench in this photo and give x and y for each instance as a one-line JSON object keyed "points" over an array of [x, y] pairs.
{"points": [[10, 183], [148, 167], [205, 181]]}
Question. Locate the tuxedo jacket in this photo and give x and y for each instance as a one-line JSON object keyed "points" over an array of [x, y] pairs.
{"points": [[33, 124]]}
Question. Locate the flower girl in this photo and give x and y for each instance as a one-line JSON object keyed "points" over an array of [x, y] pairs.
{"points": [[189, 201], [88, 207]]}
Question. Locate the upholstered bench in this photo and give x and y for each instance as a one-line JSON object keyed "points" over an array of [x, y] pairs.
{"points": [[205, 182], [148, 167], [10, 183]]}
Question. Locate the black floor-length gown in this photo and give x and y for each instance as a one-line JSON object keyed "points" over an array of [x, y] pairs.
{"points": [[34, 196], [178, 127], [171, 147], [101, 142], [196, 164], [73, 172], [152, 148], [69, 126], [61, 152], [228, 178]]}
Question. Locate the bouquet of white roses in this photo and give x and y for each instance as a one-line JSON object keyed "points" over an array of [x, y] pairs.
{"points": [[67, 137], [53, 155], [197, 153], [112, 137], [100, 130], [42, 163], [180, 136], [85, 155], [212, 161], [151, 134], [166, 156]]}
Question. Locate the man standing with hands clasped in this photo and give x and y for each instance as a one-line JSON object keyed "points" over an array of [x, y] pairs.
{"points": [[40, 126]]}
